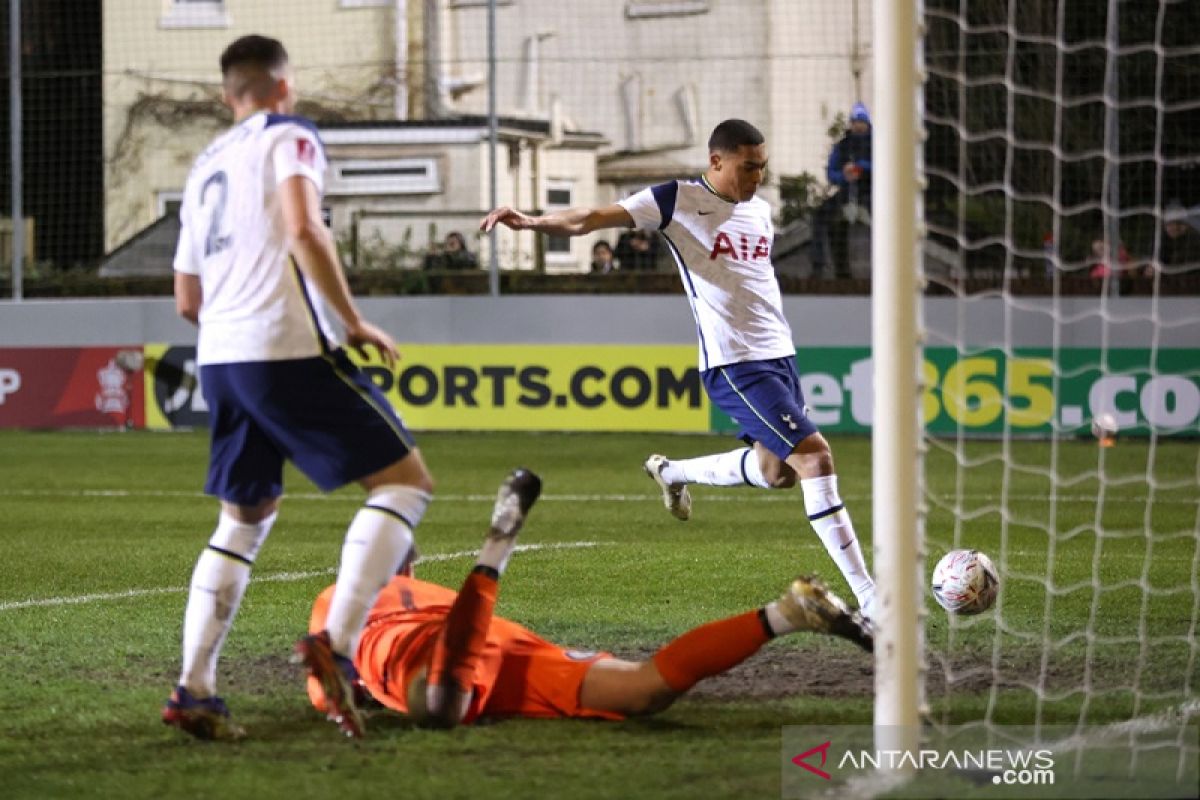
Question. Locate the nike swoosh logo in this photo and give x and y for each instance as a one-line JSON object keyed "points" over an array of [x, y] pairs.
{"points": [[704, 213]]}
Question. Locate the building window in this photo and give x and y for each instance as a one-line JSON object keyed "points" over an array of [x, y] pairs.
{"points": [[194, 14], [644, 9], [558, 198], [384, 176], [365, 3], [168, 203]]}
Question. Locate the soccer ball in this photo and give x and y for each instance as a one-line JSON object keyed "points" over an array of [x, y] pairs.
{"points": [[965, 582], [1105, 428]]}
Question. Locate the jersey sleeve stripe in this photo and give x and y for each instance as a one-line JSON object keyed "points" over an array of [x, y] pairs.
{"points": [[665, 194]]}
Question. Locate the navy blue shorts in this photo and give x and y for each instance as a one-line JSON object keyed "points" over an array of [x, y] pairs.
{"points": [[765, 400], [322, 413]]}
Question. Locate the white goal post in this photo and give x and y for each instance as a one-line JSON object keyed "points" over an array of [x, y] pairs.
{"points": [[1034, 173], [896, 437]]}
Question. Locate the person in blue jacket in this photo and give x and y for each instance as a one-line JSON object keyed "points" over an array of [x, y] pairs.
{"points": [[849, 169]]}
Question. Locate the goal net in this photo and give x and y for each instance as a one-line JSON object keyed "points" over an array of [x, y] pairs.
{"points": [[1062, 210]]}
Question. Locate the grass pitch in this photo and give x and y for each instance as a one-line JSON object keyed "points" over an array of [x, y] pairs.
{"points": [[100, 532]]}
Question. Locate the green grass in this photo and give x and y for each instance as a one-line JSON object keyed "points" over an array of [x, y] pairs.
{"points": [[88, 513]]}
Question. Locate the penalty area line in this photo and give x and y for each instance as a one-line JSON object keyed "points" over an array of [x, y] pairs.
{"points": [[270, 577]]}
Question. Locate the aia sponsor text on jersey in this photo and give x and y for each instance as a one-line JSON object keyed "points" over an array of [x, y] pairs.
{"points": [[740, 246]]}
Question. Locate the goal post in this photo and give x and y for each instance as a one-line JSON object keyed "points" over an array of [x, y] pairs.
{"points": [[895, 341], [1036, 345]]}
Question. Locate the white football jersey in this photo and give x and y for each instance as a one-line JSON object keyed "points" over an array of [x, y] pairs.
{"points": [[723, 251], [256, 304]]}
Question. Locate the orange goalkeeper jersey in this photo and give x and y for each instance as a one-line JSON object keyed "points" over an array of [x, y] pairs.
{"points": [[518, 674]]}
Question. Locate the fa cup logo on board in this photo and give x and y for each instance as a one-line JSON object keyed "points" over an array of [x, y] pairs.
{"points": [[112, 397]]}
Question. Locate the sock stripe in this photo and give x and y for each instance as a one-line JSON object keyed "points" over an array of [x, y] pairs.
{"points": [[231, 554], [766, 623], [746, 455], [486, 571], [826, 513], [391, 513]]}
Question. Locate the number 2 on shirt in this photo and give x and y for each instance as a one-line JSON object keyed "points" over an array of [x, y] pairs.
{"points": [[214, 242]]}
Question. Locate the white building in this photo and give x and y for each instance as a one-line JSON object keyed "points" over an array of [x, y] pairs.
{"points": [[647, 78]]}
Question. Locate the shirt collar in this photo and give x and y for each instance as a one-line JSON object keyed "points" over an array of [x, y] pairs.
{"points": [[704, 182]]}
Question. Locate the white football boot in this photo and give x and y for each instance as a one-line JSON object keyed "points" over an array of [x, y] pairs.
{"points": [[676, 497]]}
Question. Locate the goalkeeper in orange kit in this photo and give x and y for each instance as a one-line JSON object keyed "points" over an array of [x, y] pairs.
{"points": [[443, 658]]}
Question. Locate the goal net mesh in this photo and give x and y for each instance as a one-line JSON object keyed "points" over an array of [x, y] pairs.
{"points": [[1062, 207]]}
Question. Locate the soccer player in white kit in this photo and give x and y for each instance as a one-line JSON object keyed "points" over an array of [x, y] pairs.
{"points": [[257, 269], [720, 235]]}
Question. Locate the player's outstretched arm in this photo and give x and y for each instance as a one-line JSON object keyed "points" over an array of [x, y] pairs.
{"points": [[311, 243], [571, 222]]}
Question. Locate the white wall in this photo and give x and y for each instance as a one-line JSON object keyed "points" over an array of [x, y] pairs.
{"points": [[634, 319], [785, 65]]}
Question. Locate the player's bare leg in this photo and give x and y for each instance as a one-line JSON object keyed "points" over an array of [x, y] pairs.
{"points": [[812, 461], [636, 688], [219, 581], [378, 541], [450, 677]]}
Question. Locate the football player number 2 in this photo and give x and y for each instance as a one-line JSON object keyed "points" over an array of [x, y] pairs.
{"points": [[214, 242]]}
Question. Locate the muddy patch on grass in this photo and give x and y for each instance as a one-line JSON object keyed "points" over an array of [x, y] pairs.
{"points": [[264, 674], [781, 672], [773, 672], [261, 674]]}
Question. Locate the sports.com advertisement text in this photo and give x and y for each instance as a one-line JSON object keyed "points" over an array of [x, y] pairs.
{"points": [[492, 387], [467, 387]]}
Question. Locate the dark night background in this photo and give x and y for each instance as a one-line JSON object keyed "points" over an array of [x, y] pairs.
{"points": [[1159, 149], [63, 137]]}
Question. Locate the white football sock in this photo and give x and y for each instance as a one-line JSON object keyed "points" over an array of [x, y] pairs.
{"points": [[377, 542], [777, 621], [831, 521], [735, 468], [496, 552], [218, 583]]}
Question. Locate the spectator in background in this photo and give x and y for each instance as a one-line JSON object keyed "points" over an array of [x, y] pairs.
{"points": [[637, 250], [1179, 247], [452, 254], [849, 169], [1102, 266], [602, 258]]}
